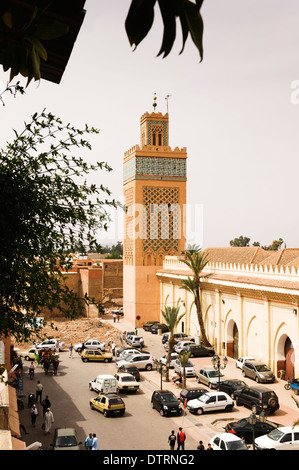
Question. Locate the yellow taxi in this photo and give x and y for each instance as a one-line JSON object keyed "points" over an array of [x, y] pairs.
{"points": [[108, 404], [95, 355]]}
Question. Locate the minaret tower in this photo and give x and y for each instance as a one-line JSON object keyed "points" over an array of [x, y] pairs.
{"points": [[155, 199]]}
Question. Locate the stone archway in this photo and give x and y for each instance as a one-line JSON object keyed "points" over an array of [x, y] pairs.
{"points": [[232, 340], [285, 357]]}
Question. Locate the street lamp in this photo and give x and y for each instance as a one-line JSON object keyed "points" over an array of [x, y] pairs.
{"points": [[161, 367], [217, 365], [252, 421]]}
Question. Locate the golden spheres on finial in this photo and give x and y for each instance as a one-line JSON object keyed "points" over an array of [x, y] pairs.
{"points": [[154, 103]]}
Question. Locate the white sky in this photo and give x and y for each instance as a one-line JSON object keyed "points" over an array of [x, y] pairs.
{"points": [[233, 111]]}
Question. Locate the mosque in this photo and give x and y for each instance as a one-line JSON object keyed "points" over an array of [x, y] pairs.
{"points": [[250, 296]]}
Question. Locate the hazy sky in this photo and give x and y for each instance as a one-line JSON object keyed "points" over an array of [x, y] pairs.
{"points": [[233, 111]]}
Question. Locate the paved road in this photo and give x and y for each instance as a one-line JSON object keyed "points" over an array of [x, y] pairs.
{"points": [[141, 428]]}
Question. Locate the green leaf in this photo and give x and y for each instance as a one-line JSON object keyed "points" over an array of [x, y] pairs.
{"points": [[139, 20], [195, 24], [169, 21]]}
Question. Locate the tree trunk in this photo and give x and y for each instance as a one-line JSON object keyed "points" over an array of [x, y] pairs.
{"points": [[203, 337]]}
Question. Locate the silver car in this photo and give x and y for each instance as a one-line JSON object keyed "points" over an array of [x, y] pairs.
{"points": [[258, 371], [209, 376], [141, 361], [189, 368]]}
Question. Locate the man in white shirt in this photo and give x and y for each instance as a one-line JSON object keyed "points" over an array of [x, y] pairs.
{"points": [[95, 442]]}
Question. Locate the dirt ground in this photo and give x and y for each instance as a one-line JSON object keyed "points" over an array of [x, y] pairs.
{"points": [[77, 331]]}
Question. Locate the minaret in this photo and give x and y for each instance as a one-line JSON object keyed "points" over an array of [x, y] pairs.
{"points": [[155, 199]]}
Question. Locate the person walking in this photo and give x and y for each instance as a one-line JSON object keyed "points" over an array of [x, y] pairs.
{"points": [[71, 350], [48, 421], [45, 404], [88, 442], [34, 414], [200, 446], [39, 392], [113, 348], [172, 440], [181, 437], [95, 442]]}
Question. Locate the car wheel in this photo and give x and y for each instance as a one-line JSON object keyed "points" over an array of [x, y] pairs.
{"points": [[229, 408], [90, 388], [257, 379], [91, 406], [243, 373], [238, 403], [161, 412], [148, 367], [27, 358], [199, 411], [85, 359], [272, 402], [122, 413], [106, 413], [106, 359]]}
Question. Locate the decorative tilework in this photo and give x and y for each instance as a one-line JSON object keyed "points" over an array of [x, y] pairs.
{"points": [[155, 166], [155, 124]]}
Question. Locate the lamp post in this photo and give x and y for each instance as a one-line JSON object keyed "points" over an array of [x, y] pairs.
{"points": [[160, 367], [252, 421], [217, 366]]}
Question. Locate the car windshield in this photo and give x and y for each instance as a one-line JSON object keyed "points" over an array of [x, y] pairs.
{"points": [[262, 368], [66, 441], [168, 397], [189, 364], [236, 445], [214, 373], [276, 434]]}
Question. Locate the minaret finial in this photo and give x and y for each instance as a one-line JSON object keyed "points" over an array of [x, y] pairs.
{"points": [[154, 103]]}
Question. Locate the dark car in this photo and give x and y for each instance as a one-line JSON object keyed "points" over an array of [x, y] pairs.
{"points": [[196, 350], [166, 403], [131, 370], [147, 326], [159, 326], [230, 386], [258, 397], [191, 393], [243, 428]]}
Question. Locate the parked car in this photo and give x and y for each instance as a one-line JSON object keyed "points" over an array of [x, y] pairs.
{"points": [[177, 336], [173, 357], [129, 351], [50, 344], [108, 404], [189, 369], [65, 439], [243, 428], [147, 326], [141, 361], [191, 393], [166, 403], [281, 438], [130, 370], [197, 350], [209, 376], [29, 355], [225, 441], [103, 383], [230, 386], [242, 360], [126, 382], [159, 326], [258, 397], [95, 355], [135, 341], [128, 333], [89, 344], [258, 371], [181, 345], [118, 311], [211, 401]]}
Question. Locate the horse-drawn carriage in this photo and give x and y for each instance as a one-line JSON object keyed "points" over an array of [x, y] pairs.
{"points": [[49, 360]]}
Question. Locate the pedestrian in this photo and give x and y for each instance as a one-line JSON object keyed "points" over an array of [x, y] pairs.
{"points": [[48, 421], [34, 414], [171, 440], [31, 369], [200, 446], [181, 437], [71, 350], [95, 442], [209, 447], [57, 346], [88, 442], [114, 317], [113, 348], [39, 392], [177, 380], [118, 318], [45, 404]]}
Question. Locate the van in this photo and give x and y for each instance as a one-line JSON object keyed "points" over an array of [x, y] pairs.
{"points": [[104, 384], [177, 336]]}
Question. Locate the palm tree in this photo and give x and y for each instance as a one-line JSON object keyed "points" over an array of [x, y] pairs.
{"points": [[196, 261], [184, 358], [172, 318]]}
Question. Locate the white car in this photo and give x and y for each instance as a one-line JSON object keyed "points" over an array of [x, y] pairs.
{"points": [[141, 361], [181, 345], [211, 401], [242, 360], [89, 344], [282, 438], [50, 344], [189, 369], [128, 352], [135, 341], [227, 441], [126, 382], [29, 355], [173, 357]]}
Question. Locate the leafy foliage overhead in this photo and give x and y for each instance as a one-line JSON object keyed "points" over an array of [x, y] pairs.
{"points": [[48, 208], [140, 19]]}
